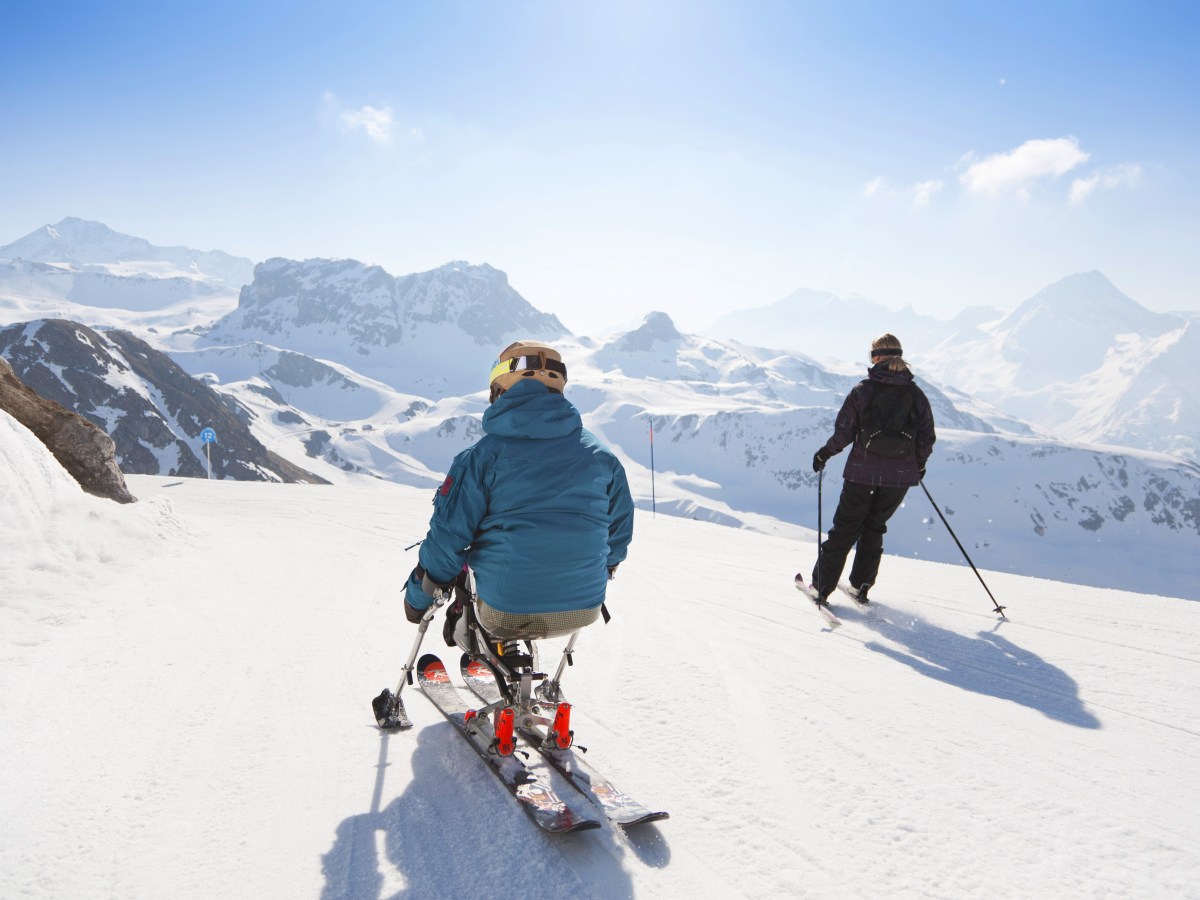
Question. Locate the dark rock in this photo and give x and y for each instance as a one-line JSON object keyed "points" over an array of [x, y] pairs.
{"points": [[84, 450]]}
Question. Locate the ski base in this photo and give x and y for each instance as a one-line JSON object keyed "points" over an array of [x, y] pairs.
{"points": [[823, 608], [537, 799], [617, 806]]}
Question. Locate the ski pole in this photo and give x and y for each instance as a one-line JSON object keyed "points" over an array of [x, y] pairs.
{"points": [[820, 568], [389, 708], [998, 608]]}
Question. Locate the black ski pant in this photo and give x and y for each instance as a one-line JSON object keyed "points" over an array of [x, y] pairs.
{"points": [[861, 519]]}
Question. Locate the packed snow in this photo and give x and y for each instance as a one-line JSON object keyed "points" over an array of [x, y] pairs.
{"points": [[184, 712]]}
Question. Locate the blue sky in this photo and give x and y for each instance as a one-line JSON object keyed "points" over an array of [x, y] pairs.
{"points": [[620, 157]]}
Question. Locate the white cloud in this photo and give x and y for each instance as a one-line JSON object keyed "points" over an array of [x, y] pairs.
{"points": [[923, 191], [1126, 175], [377, 123], [1018, 169], [874, 186]]}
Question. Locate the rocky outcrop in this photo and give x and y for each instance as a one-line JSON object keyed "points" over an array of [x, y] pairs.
{"points": [[154, 411], [86, 452]]}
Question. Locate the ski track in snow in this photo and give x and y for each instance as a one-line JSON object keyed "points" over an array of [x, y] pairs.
{"points": [[184, 712]]}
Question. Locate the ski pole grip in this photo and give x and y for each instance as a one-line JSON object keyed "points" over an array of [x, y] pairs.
{"points": [[433, 589]]}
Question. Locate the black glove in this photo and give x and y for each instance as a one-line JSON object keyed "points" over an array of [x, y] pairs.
{"points": [[413, 614], [819, 460], [920, 471], [419, 588], [612, 572]]}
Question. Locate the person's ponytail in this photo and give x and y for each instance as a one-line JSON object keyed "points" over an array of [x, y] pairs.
{"points": [[895, 361]]}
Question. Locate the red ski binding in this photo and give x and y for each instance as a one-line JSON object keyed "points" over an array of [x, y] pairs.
{"points": [[560, 732], [505, 743]]}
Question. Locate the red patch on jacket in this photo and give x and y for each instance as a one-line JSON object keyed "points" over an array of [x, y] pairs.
{"points": [[446, 485]]}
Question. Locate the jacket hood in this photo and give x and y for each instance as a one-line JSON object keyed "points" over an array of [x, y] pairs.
{"points": [[882, 374], [530, 410]]}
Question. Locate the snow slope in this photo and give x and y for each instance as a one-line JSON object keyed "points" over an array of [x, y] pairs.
{"points": [[184, 712]]}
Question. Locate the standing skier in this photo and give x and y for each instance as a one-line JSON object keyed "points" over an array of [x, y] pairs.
{"points": [[889, 421], [538, 508]]}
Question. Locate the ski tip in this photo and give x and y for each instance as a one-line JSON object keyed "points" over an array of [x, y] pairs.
{"points": [[472, 667], [431, 669]]}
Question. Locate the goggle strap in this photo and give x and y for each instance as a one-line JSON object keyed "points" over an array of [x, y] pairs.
{"points": [[521, 363]]}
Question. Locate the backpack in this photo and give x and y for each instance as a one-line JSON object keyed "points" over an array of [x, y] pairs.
{"points": [[889, 420]]}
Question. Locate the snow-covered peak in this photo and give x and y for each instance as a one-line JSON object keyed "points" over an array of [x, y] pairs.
{"points": [[656, 328], [77, 241], [93, 247], [1065, 331], [1084, 361], [434, 331], [1086, 305]]}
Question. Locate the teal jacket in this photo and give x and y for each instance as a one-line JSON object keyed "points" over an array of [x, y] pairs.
{"points": [[538, 508]]}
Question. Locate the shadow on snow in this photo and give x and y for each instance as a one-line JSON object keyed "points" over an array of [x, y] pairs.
{"points": [[988, 664], [454, 832]]}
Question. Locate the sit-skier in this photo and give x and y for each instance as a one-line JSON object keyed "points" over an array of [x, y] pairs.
{"points": [[539, 509]]}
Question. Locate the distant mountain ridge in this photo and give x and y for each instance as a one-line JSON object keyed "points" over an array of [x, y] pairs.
{"points": [[1084, 361], [829, 326], [85, 244], [85, 271], [426, 331]]}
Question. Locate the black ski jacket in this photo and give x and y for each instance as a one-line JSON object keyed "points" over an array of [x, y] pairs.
{"points": [[865, 468]]}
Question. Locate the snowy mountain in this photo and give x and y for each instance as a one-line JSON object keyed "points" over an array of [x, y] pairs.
{"points": [[923, 750], [94, 247], [1020, 501], [326, 417], [150, 407], [1085, 362], [839, 328], [432, 332], [344, 370], [735, 428], [85, 271]]}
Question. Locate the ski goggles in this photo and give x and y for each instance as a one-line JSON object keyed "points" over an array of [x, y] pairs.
{"points": [[887, 351], [522, 363]]}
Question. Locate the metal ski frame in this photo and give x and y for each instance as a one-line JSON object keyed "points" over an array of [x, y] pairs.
{"points": [[995, 603], [517, 690], [389, 708]]}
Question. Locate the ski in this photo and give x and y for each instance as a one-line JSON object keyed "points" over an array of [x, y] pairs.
{"points": [[823, 608], [619, 807], [541, 804], [853, 595]]}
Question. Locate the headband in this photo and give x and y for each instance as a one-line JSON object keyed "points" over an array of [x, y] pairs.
{"points": [[887, 351]]}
